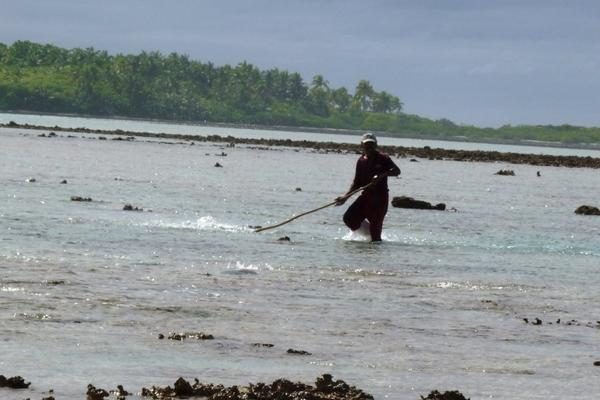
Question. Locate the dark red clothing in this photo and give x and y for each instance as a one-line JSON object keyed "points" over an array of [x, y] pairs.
{"points": [[372, 204], [369, 206], [368, 167]]}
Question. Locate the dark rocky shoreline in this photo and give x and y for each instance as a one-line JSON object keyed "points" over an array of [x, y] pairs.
{"points": [[425, 152], [325, 388]]}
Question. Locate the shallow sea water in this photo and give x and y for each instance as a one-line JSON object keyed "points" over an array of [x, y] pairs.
{"points": [[86, 288]]}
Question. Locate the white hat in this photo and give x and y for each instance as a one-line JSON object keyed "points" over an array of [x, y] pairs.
{"points": [[368, 137]]}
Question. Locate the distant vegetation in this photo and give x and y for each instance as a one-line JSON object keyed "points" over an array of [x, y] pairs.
{"points": [[50, 79]]}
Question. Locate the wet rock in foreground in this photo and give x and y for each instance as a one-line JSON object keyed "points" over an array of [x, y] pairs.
{"points": [[121, 393], [453, 395], [325, 389], [15, 382], [94, 393]]}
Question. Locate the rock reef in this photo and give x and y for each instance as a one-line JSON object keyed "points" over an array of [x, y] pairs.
{"points": [[425, 152]]}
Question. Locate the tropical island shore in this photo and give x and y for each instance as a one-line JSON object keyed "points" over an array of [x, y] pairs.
{"points": [[425, 152], [46, 78]]}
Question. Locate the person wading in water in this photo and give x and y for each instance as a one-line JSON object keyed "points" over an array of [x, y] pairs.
{"points": [[369, 209]]}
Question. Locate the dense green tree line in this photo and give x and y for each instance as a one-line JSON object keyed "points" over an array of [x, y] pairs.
{"points": [[47, 78]]}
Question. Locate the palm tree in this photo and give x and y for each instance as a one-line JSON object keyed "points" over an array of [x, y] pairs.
{"points": [[363, 96], [319, 83], [340, 99], [384, 102]]}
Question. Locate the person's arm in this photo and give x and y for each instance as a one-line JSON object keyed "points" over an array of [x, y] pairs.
{"points": [[355, 185], [392, 168]]}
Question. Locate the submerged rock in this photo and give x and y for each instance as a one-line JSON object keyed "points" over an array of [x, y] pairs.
{"points": [[129, 207], [299, 352], [572, 322], [587, 210], [409, 202], [507, 172], [188, 335], [80, 198]]}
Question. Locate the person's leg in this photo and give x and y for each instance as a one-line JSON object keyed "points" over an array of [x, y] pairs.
{"points": [[355, 214], [377, 210]]}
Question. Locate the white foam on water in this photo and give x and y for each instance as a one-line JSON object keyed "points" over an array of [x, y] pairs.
{"points": [[362, 234], [11, 289], [206, 223], [356, 236], [248, 268]]}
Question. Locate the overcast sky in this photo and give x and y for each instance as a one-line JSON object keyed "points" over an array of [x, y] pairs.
{"points": [[480, 62]]}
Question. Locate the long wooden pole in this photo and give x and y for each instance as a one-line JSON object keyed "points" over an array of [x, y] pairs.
{"points": [[347, 196]]}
